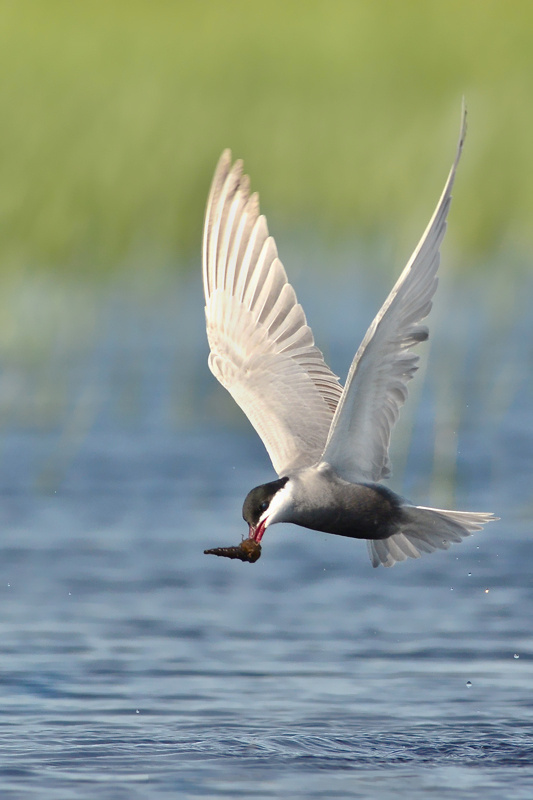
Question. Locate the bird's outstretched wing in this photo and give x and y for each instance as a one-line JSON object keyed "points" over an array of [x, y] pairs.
{"points": [[376, 388], [262, 349]]}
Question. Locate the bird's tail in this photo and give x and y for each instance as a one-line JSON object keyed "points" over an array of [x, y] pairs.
{"points": [[425, 530]]}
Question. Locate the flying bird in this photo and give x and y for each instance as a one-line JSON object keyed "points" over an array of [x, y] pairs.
{"points": [[329, 445]]}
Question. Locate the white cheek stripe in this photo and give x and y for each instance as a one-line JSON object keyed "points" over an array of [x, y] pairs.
{"points": [[280, 503]]}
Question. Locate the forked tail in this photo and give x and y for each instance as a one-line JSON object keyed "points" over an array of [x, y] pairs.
{"points": [[425, 530]]}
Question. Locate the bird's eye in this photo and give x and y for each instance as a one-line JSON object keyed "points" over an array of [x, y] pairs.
{"points": [[263, 506]]}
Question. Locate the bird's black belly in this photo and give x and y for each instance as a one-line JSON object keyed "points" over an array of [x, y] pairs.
{"points": [[360, 512]]}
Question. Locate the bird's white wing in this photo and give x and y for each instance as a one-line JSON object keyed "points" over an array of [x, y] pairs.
{"points": [[376, 388], [262, 349]]}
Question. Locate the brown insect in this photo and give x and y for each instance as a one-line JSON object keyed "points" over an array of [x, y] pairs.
{"points": [[248, 550]]}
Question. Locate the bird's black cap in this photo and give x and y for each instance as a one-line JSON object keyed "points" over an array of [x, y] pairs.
{"points": [[258, 500]]}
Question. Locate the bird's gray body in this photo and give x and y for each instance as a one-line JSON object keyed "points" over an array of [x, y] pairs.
{"points": [[324, 502]]}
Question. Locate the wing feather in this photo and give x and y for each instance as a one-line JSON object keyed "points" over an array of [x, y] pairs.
{"points": [[376, 388], [262, 349]]}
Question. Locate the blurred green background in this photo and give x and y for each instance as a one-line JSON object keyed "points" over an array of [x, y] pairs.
{"points": [[113, 115], [112, 118]]}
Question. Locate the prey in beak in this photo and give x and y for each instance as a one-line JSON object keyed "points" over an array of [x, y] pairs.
{"points": [[248, 550], [254, 512]]}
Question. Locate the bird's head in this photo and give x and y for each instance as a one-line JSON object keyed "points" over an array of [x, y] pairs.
{"points": [[265, 505]]}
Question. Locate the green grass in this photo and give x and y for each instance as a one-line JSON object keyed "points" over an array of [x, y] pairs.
{"points": [[113, 114]]}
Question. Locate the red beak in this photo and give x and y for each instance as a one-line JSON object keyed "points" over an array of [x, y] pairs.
{"points": [[257, 533]]}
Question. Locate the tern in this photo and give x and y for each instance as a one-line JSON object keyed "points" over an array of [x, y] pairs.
{"points": [[329, 445]]}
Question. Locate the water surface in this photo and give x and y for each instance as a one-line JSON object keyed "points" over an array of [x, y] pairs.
{"points": [[133, 666]]}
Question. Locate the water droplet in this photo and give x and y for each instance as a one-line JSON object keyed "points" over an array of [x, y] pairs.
{"points": [[469, 684], [516, 655]]}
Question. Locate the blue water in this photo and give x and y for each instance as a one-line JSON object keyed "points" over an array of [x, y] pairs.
{"points": [[133, 666]]}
